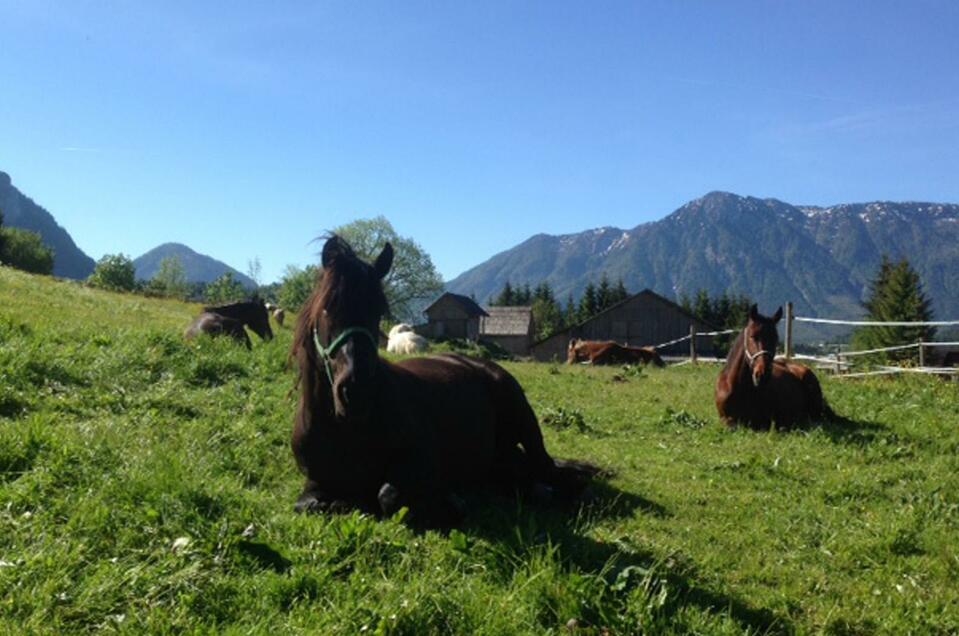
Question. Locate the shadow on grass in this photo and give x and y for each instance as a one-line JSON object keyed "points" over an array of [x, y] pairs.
{"points": [[515, 526], [849, 431]]}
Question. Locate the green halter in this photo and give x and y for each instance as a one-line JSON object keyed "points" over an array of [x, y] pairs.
{"points": [[327, 353]]}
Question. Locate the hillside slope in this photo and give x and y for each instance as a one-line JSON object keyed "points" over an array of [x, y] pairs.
{"points": [[21, 211]]}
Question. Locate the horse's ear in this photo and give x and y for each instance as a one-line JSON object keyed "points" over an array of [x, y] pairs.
{"points": [[332, 249], [384, 261], [754, 313], [778, 315]]}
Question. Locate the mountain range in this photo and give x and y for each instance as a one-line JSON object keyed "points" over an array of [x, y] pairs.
{"points": [[199, 268], [69, 261], [820, 258]]}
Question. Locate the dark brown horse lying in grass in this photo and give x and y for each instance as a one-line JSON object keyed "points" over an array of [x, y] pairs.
{"points": [[378, 435], [755, 389], [230, 319], [609, 352]]}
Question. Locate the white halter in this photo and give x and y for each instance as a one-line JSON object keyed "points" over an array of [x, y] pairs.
{"points": [[751, 357]]}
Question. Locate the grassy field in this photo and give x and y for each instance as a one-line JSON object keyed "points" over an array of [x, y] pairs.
{"points": [[146, 486]]}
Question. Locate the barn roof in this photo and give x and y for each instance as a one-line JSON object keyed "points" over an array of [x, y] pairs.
{"points": [[466, 303], [507, 321], [645, 292]]}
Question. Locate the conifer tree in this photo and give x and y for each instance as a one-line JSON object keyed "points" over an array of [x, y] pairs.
{"points": [[603, 293], [895, 295], [506, 296], [588, 305]]}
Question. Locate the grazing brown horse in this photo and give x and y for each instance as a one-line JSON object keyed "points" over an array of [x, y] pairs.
{"points": [[755, 389], [377, 435], [230, 319], [609, 352]]}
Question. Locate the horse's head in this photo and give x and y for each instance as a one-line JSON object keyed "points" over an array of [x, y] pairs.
{"points": [[572, 351], [760, 339], [258, 319], [336, 339]]}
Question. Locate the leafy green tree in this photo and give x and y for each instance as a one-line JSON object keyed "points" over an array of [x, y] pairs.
{"points": [[224, 289], [412, 280], [547, 318], [170, 279], [25, 250], [895, 295], [115, 272], [1, 237], [254, 270], [296, 286]]}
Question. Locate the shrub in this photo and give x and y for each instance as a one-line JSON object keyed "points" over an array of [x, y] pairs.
{"points": [[296, 287], [25, 250], [115, 272], [224, 289]]}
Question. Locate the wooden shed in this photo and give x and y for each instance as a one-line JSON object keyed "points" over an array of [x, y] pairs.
{"points": [[452, 316], [641, 320], [509, 327]]}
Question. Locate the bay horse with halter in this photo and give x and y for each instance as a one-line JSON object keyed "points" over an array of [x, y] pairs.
{"points": [[376, 435], [609, 352], [230, 319], [755, 389]]}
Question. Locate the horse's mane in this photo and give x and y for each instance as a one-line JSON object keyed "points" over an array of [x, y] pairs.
{"points": [[734, 350]]}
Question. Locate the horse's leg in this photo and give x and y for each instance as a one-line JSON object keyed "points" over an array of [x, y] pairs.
{"points": [[410, 482], [314, 500]]}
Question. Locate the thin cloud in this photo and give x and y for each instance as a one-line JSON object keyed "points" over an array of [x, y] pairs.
{"points": [[85, 149]]}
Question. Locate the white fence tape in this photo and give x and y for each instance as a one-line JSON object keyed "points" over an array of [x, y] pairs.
{"points": [[873, 323]]}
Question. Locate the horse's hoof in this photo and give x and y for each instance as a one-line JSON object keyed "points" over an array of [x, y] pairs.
{"points": [[314, 505], [389, 499], [308, 505]]}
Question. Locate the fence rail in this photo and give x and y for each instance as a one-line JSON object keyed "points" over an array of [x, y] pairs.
{"points": [[839, 361]]}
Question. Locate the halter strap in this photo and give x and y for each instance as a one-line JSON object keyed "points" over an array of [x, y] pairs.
{"points": [[327, 353], [751, 357]]}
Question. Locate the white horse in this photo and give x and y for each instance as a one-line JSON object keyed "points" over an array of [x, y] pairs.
{"points": [[404, 341], [400, 328]]}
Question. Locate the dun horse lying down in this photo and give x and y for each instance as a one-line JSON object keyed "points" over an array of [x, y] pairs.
{"points": [[755, 389], [230, 320], [609, 352], [378, 435], [405, 341]]}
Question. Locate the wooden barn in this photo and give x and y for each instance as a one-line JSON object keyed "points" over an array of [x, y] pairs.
{"points": [[641, 320], [452, 316], [509, 327]]}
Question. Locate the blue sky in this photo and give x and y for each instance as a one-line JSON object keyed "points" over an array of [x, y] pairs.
{"points": [[247, 129]]}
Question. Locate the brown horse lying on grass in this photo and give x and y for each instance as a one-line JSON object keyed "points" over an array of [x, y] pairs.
{"points": [[755, 389], [377, 435], [230, 319], [609, 352]]}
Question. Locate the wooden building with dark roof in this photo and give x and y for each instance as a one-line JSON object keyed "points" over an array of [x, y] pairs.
{"points": [[452, 316], [508, 327], [641, 320]]}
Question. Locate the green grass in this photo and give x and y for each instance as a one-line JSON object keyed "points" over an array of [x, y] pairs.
{"points": [[146, 486]]}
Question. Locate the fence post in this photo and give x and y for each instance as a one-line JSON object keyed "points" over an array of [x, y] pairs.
{"points": [[838, 359], [922, 354], [789, 330], [692, 343]]}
